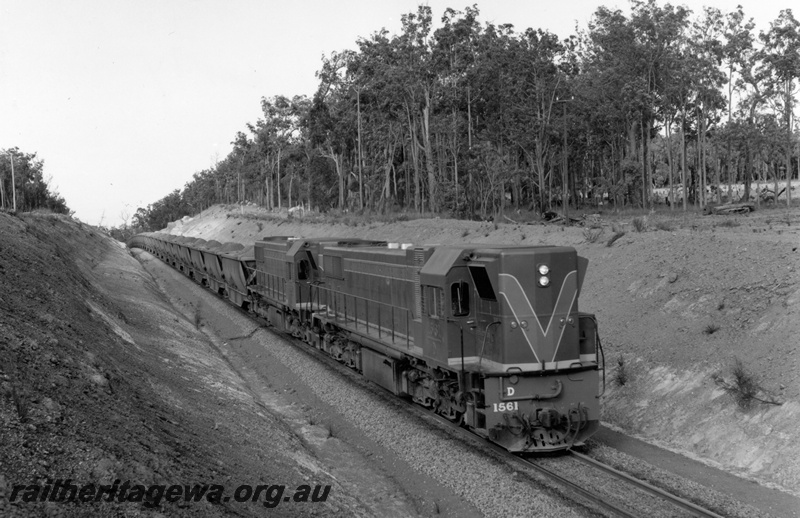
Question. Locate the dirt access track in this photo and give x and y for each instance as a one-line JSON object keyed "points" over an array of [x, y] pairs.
{"points": [[678, 303]]}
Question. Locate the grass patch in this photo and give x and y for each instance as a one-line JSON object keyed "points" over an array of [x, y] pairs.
{"points": [[743, 387], [665, 226], [729, 223]]}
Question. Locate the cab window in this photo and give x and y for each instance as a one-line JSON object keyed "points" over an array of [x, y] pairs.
{"points": [[302, 270]]}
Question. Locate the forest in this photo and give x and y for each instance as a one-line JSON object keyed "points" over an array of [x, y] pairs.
{"points": [[23, 186], [473, 119]]}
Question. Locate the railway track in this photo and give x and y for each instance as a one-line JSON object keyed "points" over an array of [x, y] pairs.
{"points": [[595, 497], [691, 507]]}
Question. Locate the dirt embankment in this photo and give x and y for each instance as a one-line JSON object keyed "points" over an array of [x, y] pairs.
{"points": [[678, 304], [102, 380]]}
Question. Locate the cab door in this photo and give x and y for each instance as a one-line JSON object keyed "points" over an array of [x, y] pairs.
{"points": [[461, 317]]}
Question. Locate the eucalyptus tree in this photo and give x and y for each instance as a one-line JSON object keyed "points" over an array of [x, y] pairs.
{"points": [[657, 32], [609, 84], [781, 64], [633, 62], [330, 124], [538, 93], [751, 87], [454, 56], [706, 41], [419, 88], [737, 50], [274, 134], [378, 70]]}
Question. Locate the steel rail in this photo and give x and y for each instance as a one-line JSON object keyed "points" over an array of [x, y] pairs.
{"points": [[695, 509]]}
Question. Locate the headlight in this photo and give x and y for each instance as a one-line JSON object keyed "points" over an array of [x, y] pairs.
{"points": [[544, 280], [543, 269]]}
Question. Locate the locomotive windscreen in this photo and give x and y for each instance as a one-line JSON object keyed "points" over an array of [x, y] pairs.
{"points": [[482, 283]]}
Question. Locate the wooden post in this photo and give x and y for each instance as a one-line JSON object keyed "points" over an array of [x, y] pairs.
{"points": [[13, 182]]}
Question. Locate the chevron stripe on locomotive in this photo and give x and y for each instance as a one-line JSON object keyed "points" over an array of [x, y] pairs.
{"points": [[486, 335]]}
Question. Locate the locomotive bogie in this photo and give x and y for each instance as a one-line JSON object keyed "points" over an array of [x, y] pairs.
{"points": [[541, 413]]}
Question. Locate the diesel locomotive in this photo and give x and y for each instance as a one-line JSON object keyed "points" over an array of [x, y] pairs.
{"points": [[489, 336]]}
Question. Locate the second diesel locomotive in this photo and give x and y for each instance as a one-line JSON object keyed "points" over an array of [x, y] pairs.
{"points": [[489, 336]]}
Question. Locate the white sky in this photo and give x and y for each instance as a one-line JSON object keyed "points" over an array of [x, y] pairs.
{"points": [[125, 100]]}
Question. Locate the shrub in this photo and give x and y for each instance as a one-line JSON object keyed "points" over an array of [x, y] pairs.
{"points": [[744, 387], [711, 329], [621, 374], [591, 235], [665, 225]]}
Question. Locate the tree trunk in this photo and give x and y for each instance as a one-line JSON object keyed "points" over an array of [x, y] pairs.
{"points": [[278, 179], [360, 159], [414, 157], [645, 160], [777, 177], [426, 142], [683, 158], [670, 164], [788, 102]]}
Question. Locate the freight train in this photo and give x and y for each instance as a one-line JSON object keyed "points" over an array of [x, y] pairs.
{"points": [[488, 336]]}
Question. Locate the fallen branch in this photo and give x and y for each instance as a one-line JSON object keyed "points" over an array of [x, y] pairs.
{"points": [[731, 208], [556, 217]]}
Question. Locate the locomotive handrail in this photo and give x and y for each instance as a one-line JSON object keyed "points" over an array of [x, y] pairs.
{"points": [[275, 287], [365, 325], [603, 357], [483, 346]]}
